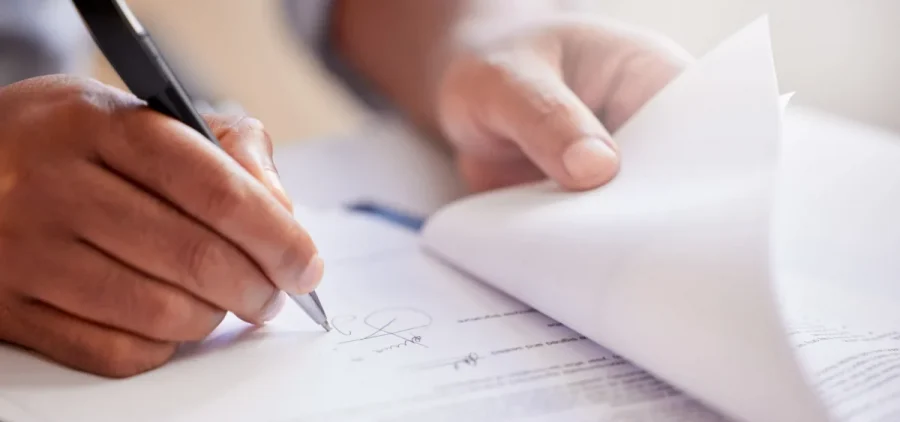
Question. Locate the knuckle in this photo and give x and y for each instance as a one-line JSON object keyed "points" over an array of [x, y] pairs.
{"points": [[126, 356], [167, 316], [250, 131], [86, 100], [96, 98], [75, 110], [200, 328], [245, 127], [182, 318], [222, 199], [251, 125], [121, 356], [549, 111]]}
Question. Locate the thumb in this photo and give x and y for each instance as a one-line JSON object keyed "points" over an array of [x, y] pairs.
{"points": [[246, 140], [554, 128]]}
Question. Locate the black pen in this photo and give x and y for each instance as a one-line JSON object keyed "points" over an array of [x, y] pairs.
{"points": [[128, 48]]}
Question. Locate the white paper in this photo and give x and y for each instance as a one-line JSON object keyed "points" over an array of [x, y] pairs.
{"points": [[413, 340], [838, 204], [837, 242], [850, 344], [383, 162], [669, 264], [12, 412]]}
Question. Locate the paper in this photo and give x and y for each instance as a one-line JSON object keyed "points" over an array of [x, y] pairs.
{"points": [[837, 242], [412, 340], [383, 162], [669, 264], [853, 355], [838, 204], [12, 412]]}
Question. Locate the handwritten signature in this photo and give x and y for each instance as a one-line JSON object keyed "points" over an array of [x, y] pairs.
{"points": [[469, 360], [457, 363], [391, 323], [414, 340]]}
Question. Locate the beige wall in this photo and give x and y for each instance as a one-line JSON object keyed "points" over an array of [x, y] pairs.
{"points": [[840, 55]]}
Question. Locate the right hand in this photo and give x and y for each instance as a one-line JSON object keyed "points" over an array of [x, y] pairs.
{"points": [[124, 233]]}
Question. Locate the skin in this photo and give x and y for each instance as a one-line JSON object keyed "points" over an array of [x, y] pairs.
{"points": [[519, 91], [123, 233]]}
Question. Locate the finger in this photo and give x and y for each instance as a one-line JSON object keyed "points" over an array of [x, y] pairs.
{"points": [[639, 64], [246, 140], [484, 173], [154, 238], [550, 124], [82, 345], [90, 285], [556, 130], [178, 164]]}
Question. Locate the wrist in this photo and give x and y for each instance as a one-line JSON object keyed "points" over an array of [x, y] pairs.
{"points": [[401, 48], [389, 44]]}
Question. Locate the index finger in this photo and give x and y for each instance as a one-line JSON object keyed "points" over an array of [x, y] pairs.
{"points": [[175, 163]]}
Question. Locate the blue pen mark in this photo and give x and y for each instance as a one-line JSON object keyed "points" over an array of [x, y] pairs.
{"points": [[396, 217]]}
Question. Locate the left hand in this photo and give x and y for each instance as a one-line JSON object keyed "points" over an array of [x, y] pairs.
{"points": [[543, 99]]}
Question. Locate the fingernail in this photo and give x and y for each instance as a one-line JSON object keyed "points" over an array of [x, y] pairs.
{"points": [[590, 161], [311, 276], [273, 308]]}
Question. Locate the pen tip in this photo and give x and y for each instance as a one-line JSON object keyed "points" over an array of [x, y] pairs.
{"points": [[326, 326]]}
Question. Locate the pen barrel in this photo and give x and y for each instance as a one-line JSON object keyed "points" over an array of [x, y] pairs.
{"points": [[173, 100], [165, 103]]}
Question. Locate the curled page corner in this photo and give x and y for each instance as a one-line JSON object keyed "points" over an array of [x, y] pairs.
{"points": [[785, 100], [669, 264]]}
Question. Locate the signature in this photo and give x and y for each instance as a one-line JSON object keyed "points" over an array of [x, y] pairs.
{"points": [[457, 363], [469, 360], [414, 340], [386, 324]]}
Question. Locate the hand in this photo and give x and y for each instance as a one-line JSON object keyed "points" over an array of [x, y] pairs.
{"points": [[542, 100], [124, 233]]}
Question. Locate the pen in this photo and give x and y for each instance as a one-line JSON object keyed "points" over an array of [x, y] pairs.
{"points": [[393, 216], [128, 48]]}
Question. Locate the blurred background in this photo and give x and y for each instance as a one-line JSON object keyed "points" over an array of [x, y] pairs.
{"points": [[841, 56]]}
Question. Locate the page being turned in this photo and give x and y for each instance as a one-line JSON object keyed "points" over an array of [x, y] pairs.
{"points": [[668, 264]]}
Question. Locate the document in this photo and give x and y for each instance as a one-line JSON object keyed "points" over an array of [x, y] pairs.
{"points": [[672, 255], [757, 273], [855, 366], [413, 340], [727, 272], [837, 239]]}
